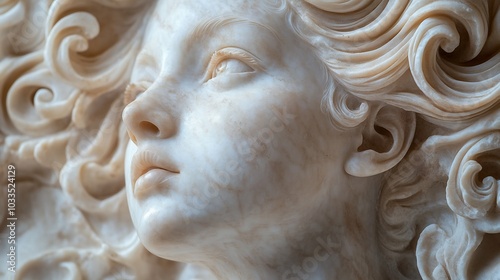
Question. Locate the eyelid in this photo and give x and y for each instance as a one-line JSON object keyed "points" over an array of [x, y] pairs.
{"points": [[232, 53]]}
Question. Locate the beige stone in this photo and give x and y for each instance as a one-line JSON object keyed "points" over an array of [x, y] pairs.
{"points": [[280, 139]]}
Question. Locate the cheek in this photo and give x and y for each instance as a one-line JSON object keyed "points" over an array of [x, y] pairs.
{"points": [[253, 144], [252, 158], [232, 133]]}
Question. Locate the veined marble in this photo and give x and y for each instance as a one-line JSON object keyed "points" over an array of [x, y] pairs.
{"points": [[244, 139]]}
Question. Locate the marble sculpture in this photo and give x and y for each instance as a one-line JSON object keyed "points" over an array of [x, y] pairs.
{"points": [[245, 139]]}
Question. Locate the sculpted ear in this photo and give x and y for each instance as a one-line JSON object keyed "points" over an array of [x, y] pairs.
{"points": [[386, 139]]}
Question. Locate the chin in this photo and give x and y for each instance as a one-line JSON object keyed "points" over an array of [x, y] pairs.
{"points": [[164, 244], [164, 235]]}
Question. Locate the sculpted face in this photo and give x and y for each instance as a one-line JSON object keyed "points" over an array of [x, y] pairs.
{"points": [[228, 138]]}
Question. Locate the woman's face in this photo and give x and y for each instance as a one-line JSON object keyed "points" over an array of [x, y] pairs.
{"points": [[228, 137]]}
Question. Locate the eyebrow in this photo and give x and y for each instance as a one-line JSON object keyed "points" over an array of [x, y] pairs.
{"points": [[211, 26], [202, 31]]}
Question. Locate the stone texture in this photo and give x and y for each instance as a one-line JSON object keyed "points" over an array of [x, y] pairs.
{"points": [[280, 139]]}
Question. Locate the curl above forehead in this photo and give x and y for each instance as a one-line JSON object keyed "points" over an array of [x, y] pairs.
{"points": [[436, 59]]}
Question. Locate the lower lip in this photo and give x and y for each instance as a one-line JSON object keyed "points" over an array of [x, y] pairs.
{"points": [[152, 179]]}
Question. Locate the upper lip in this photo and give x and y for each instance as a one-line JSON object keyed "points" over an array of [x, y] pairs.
{"points": [[145, 160]]}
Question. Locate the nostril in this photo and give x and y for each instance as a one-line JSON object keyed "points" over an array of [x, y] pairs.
{"points": [[149, 128]]}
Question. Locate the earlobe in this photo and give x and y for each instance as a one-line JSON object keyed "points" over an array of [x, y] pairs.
{"points": [[386, 139]]}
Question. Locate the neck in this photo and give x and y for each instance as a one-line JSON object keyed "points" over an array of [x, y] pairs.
{"points": [[338, 243]]}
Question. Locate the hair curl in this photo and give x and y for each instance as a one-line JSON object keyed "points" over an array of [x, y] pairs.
{"points": [[439, 59]]}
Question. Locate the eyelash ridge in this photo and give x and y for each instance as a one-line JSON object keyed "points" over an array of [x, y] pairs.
{"points": [[232, 53]]}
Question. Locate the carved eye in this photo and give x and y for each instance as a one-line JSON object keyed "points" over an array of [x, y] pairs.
{"points": [[231, 61], [231, 66]]}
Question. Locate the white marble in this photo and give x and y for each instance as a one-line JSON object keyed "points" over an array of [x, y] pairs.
{"points": [[280, 139]]}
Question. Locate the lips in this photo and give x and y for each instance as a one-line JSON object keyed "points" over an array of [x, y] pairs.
{"points": [[150, 170]]}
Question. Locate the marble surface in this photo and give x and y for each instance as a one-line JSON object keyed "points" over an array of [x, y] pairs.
{"points": [[243, 139]]}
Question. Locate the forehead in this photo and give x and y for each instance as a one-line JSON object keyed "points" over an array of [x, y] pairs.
{"points": [[175, 17], [196, 8], [179, 31]]}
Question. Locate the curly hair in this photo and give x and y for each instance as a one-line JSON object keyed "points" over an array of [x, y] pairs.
{"points": [[439, 60], [62, 103]]}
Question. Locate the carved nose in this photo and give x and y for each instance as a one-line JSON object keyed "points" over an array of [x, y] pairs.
{"points": [[146, 119]]}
